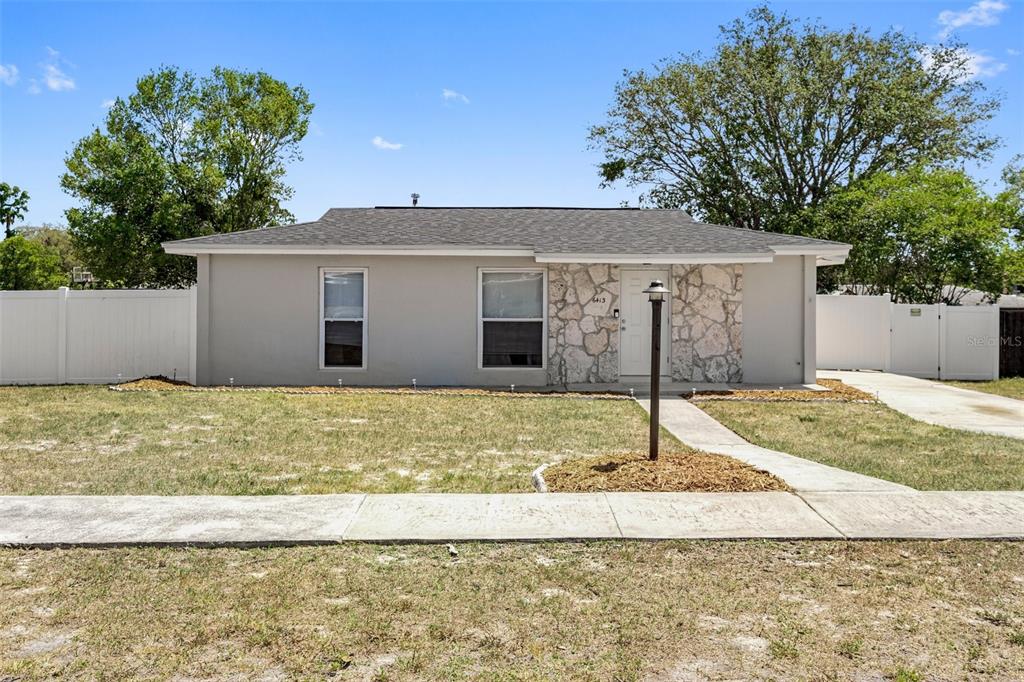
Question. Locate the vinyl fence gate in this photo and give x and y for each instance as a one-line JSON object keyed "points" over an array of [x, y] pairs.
{"points": [[932, 341], [84, 337]]}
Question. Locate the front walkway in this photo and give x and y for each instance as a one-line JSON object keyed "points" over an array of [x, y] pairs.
{"points": [[97, 521], [940, 404], [696, 428]]}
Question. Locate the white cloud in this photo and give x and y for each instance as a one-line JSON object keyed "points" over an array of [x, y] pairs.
{"points": [[983, 66], [1012, 52], [8, 74], [33, 87], [976, 64], [981, 13], [107, 103], [53, 76], [380, 143], [56, 79], [453, 96]]}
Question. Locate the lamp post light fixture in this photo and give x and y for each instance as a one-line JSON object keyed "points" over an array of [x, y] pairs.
{"points": [[656, 294]]}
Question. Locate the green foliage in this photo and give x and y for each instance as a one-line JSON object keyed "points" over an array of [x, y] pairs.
{"points": [[13, 205], [182, 157], [1011, 198], [26, 264], [1013, 194], [58, 239], [923, 235], [782, 115]]}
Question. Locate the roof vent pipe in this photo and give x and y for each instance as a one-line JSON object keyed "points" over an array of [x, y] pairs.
{"points": [[415, 198]]}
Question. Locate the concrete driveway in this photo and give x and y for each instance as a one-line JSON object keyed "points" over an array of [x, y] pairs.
{"points": [[940, 404]]}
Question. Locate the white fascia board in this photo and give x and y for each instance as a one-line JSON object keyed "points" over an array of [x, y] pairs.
{"points": [[826, 254], [825, 250], [830, 260], [228, 249], [656, 259]]}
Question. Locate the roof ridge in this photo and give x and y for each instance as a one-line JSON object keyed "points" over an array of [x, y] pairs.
{"points": [[500, 208]]}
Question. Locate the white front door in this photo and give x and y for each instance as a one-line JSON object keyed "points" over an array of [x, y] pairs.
{"points": [[635, 323]]}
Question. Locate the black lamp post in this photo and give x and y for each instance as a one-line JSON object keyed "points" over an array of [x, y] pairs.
{"points": [[656, 293]]}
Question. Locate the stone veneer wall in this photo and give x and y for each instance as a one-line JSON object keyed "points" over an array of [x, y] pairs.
{"points": [[707, 323], [583, 335]]}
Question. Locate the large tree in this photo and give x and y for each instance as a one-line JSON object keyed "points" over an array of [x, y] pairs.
{"points": [[1013, 195], [182, 157], [923, 236], [783, 114], [13, 205], [1012, 198]]}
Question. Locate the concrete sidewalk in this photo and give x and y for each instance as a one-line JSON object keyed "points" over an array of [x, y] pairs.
{"points": [[940, 404], [97, 521], [696, 428]]}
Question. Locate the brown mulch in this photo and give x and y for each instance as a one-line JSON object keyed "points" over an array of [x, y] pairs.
{"points": [[837, 392], [671, 473], [150, 384]]}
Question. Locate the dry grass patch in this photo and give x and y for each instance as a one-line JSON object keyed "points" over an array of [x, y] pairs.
{"points": [[672, 472], [93, 441], [1010, 387], [836, 391], [598, 611]]}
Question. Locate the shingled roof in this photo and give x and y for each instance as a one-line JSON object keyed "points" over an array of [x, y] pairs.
{"points": [[543, 232]]}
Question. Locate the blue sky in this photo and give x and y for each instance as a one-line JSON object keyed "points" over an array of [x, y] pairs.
{"points": [[528, 79]]}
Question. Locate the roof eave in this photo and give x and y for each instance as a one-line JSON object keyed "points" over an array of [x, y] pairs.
{"points": [[199, 248], [826, 254], [656, 258]]}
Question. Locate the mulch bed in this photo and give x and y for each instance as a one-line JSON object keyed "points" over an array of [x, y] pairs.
{"points": [[671, 473], [837, 392], [160, 384]]}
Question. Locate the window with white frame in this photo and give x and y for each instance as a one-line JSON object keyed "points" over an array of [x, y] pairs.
{"points": [[511, 318], [342, 318]]}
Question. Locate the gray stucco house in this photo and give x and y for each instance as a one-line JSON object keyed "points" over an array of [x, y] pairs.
{"points": [[496, 296]]}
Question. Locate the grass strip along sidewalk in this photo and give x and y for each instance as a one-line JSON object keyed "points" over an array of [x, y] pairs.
{"points": [[875, 440], [611, 610]]}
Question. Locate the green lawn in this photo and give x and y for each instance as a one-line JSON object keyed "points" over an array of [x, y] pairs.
{"points": [[602, 611], [1012, 387], [93, 441], [880, 442]]}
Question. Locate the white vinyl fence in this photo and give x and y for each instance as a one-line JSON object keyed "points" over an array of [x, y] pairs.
{"points": [[929, 341], [76, 337]]}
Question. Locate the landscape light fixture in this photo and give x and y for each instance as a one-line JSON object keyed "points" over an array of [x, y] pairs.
{"points": [[656, 294]]}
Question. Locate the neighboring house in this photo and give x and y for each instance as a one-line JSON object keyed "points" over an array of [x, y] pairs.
{"points": [[974, 297], [499, 296], [967, 297]]}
